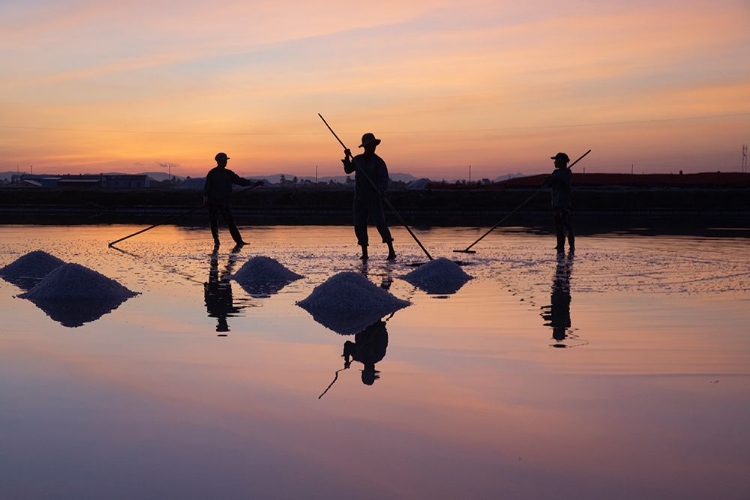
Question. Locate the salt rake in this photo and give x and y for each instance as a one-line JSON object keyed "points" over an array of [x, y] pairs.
{"points": [[468, 249], [169, 220]]}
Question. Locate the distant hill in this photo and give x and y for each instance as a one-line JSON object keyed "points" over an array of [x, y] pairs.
{"points": [[507, 177], [161, 176]]}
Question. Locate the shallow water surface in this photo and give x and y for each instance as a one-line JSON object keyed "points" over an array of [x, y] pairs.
{"points": [[619, 372]]}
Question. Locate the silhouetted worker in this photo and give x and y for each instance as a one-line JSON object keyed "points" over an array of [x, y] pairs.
{"points": [[557, 314], [217, 197], [559, 181], [370, 184], [217, 292], [368, 348]]}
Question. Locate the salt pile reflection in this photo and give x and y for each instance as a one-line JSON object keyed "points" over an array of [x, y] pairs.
{"points": [[348, 303], [73, 295]]}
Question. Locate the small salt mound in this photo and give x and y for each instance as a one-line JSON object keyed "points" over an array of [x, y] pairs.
{"points": [[347, 303], [73, 295], [27, 270], [262, 276], [438, 277]]}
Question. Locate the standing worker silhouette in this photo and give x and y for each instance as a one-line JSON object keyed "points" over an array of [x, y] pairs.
{"points": [[217, 197], [559, 181], [370, 183]]}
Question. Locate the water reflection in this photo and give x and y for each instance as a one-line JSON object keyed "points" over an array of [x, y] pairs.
{"points": [[74, 295], [368, 348], [75, 313], [386, 278], [217, 291], [557, 313]]}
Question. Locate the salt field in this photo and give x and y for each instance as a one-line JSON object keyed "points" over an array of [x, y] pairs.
{"points": [[289, 368]]}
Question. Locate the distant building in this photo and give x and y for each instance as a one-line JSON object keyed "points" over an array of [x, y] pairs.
{"points": [[86, 181], [34, 181], [124, 181], [80, 181]]}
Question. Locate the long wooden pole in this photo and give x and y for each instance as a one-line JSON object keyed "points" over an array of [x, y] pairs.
{"points": [[169, 220]]}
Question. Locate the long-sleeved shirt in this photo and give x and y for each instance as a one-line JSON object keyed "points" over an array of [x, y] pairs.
{"points": [[368, 165], [218, 186], [559, 181]]}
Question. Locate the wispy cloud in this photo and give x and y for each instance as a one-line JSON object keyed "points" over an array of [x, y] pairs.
{"points": [[450, 83]]}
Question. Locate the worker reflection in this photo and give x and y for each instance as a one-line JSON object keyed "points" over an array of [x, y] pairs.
{"points": [[368, 348], [557, 314], [217, 292], [386, 277]]}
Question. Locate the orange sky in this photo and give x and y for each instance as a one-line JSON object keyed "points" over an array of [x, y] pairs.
{"points": [[653, 86]]}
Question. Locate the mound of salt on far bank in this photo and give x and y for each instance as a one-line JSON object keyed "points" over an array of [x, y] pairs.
{"points": [[73, 295], [30, 268], [347, 303], [262, 276], [438, 277]]}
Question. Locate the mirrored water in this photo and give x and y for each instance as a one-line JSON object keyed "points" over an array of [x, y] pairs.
{"points": [[620, 372]]}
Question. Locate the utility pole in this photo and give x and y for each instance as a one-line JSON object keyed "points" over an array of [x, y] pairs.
{"points": [[744, 157]]}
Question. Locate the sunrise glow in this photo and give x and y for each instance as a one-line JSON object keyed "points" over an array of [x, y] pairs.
{"points": [[495, 87]]}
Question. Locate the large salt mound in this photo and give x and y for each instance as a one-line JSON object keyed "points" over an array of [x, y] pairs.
{"points": [[73, 295], [76, 282], [438, 277], [262, 276], [347, 303], [27, 270]]}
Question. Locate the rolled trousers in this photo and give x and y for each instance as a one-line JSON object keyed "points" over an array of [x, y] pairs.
{"points": [[369, 209]]}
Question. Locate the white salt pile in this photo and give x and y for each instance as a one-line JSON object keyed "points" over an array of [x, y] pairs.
{"points": [[30, 268], [262, 276], [76, 282], [347, 303], [73, 295], [438, 277]]}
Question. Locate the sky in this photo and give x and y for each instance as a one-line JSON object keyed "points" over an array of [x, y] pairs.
{"points": [[454, 89]]}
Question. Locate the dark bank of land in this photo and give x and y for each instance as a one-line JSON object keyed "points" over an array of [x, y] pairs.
{"points": [[607, 200]]}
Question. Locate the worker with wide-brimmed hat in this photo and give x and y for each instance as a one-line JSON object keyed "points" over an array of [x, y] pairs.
{"points": [[370, 184]]}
